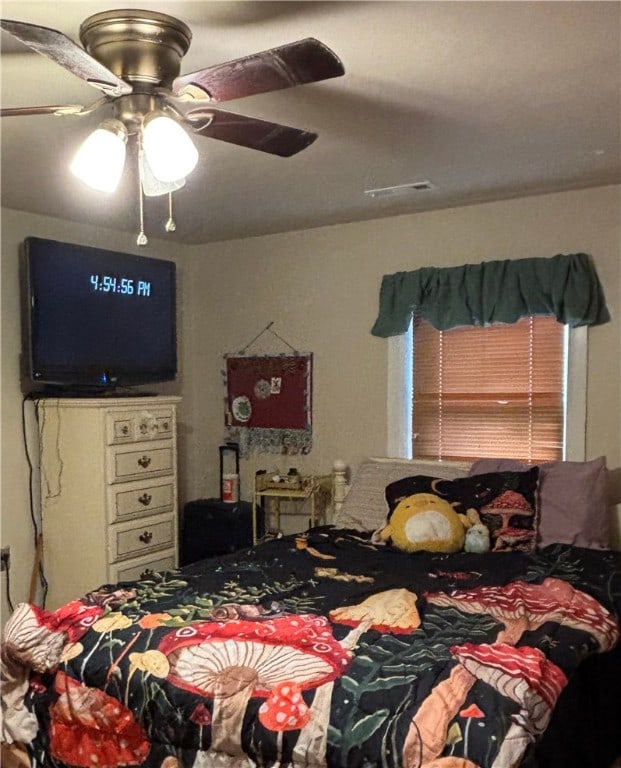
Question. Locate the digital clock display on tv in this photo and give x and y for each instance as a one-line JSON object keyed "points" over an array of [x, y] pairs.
{"points": [[128, 286]]}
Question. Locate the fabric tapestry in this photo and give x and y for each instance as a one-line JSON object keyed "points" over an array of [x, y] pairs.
{"points": [[268, 403], [505, 503]]}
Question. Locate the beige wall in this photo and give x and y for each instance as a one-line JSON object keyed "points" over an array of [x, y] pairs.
{"points": [[320, 288]]}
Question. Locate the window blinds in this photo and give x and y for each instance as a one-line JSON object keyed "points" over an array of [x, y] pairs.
{"points": [[496, 391]]}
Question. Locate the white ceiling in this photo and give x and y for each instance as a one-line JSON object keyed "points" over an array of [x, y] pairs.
{"points": [[487, 100]]}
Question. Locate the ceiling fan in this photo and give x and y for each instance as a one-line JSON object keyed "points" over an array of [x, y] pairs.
{"points": [[134, 58]]}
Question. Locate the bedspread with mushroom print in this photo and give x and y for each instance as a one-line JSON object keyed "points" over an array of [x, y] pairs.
{"points": [[316, 650]]}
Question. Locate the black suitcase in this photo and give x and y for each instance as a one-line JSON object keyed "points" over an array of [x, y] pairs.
{"points": [[211, 527]]}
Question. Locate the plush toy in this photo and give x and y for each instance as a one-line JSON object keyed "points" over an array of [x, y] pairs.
{"points": [[427, 522], [477, 535]]}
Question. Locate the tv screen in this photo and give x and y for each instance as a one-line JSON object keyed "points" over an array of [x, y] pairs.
{"points": [[99, 318]]}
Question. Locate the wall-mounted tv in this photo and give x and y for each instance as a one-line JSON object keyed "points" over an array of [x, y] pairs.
{"points": [[98, 319]]}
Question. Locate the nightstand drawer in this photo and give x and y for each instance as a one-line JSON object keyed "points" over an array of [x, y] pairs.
{"points": [[148, 535], [148, 462], [143, 568], [140, 499]]}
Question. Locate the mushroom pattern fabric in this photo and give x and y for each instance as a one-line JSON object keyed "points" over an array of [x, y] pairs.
{"points": [[426, 660], [521, 607], [526, 677], [88, 728], [234, 661], [393, 610], [284, 710], [34, 641]]}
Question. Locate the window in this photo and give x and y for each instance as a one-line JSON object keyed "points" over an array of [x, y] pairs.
{"points": [[504, 391], [496, 391]]}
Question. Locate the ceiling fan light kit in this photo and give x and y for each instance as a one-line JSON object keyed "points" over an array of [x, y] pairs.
{"points": [[168, 149], [100, 159], [134, 58], [151, 186]]}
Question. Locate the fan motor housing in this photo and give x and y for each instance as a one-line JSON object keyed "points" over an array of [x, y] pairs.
{"points": [[143, 48]]}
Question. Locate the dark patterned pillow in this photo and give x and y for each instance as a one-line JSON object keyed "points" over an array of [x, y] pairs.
{"points": [[505, 501]]}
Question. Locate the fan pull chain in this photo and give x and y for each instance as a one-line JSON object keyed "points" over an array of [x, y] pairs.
{"points": [[142, 238], [170, 224]]}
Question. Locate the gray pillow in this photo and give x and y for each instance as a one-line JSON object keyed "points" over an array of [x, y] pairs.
{"points": [[365, 507]]}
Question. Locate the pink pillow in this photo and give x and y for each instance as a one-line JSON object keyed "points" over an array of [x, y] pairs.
{"points": [[573, 505]]}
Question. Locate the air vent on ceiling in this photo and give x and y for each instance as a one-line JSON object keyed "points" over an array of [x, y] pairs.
{"points": [[400, 189]]}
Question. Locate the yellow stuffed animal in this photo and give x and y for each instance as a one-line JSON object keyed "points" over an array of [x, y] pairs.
{"points": [[427, 522]]}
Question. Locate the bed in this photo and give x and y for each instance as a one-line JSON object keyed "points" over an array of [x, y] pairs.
{"points": [[335, 647]]}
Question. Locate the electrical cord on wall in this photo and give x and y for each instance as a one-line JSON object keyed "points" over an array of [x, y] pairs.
{"points": [[38, 563], [8, 591], [52, 491]]}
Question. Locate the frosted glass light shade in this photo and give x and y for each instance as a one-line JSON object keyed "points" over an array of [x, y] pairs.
{"points": [[168, 149], [153, 187], [100, 159]]}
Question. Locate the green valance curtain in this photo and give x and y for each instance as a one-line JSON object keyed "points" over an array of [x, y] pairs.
{"points": [[565, 285]]}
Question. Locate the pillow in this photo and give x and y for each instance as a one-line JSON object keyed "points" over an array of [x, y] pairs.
{"points": [[573, 505], [506, 503], [365, 507]]}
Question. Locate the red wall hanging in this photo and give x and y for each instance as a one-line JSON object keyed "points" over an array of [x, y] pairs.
{"points": [[268, 403]]}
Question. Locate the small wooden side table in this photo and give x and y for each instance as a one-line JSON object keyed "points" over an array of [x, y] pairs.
{"points": [[317, 488]]}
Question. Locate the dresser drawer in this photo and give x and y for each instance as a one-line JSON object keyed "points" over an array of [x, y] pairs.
{"points": [[148, 461], [139, 425], [142, 568], [140, 498], [145, 536]]}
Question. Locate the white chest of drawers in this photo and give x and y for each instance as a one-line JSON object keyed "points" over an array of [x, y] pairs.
{"points": [[108, 472]]}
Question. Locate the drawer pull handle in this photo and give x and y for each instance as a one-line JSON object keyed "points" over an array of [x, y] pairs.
{"points": [[125, 429], [145, 499], [144, 461], [146, 537], [146, 573]]}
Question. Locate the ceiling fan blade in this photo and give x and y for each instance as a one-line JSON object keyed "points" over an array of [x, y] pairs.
{"points": [[249, 132], [305, 61], [62, 50], [51, 109]]}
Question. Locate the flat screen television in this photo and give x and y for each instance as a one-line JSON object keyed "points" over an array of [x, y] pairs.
{"points": [[96, 319]]}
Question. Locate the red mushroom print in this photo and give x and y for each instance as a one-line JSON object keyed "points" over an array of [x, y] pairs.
{"points": [[523, 675], [393, 610], [34, 639], [507, 506], [470, 713], [235, 660], [284, 710], [90, 728], [521, 607], [513, 539], [201, 716]]}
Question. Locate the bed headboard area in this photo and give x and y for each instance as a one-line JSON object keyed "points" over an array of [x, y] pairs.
{"points": [[572, 496], [360, 501]]}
